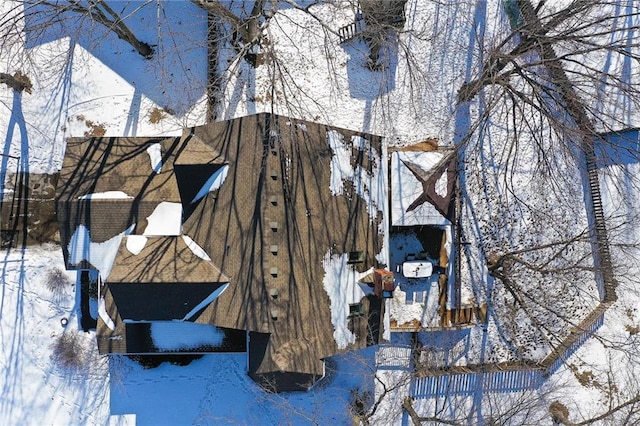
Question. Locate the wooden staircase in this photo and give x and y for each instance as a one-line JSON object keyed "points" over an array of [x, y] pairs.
{"points": [[601, 237]]}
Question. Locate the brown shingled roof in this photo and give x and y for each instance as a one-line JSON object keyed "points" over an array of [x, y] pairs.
{"points": [[163, 260], [269, 227], [267, 230], [97, 165]]}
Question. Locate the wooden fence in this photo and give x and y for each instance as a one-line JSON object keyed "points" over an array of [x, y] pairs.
{"points": [[504, 377]]}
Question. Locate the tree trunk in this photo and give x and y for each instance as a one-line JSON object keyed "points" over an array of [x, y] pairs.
{"points": [[116, 25], [247, 31], [99, 11]]}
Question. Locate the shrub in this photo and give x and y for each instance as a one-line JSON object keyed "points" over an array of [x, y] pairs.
{"points": [[359, 402], [68, 350], [559, 412], [56, 281]]}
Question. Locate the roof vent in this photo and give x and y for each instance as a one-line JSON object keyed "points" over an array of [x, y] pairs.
{"points": [[273, 200], [274, 312], [273, 226], [273, 271], [274, 174], [273, 248], [273, 292]]}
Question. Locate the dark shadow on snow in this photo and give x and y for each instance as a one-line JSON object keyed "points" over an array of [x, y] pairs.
{"points": [[175, 78]]}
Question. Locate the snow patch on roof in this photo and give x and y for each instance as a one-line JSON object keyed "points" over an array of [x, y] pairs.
{"points": [[441, 185], [213, 183], [155, 155], [370, 186], [166, 220], [340, 162], [135, 243], [301, 126], [213, 296], [104, 315], [341, 284], [105, 195], [184, 335], [195, 248], [100, 255]]}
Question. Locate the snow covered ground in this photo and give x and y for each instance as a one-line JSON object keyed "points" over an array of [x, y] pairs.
{"points": [[97, 85], [37, 389]]}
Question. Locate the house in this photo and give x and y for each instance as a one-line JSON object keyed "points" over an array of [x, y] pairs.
{"points": [[261, 225]]}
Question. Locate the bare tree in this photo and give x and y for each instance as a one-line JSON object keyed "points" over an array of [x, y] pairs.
{"points": [[46, 13], [548, 87], [540, 84], [42, 14], [247, 31]]}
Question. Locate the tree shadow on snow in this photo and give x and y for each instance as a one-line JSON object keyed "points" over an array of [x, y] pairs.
{"points": [[13, 345], [175, 78], [13, 337]]}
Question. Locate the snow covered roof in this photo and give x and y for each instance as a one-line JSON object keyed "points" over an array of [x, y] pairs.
{"points": [[421, 187], [109, 185]]}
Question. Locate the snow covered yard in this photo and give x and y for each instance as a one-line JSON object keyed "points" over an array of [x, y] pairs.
{"points": [[37, 386], [216, 390], [92, 86]]}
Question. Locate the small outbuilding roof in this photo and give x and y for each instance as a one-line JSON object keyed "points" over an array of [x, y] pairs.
{"points": [[422, 184]]}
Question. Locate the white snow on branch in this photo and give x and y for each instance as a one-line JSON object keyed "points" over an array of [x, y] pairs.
{"points": [[166, 220], [155, 155], [105, 195], [184, 335], [213, 183]]}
